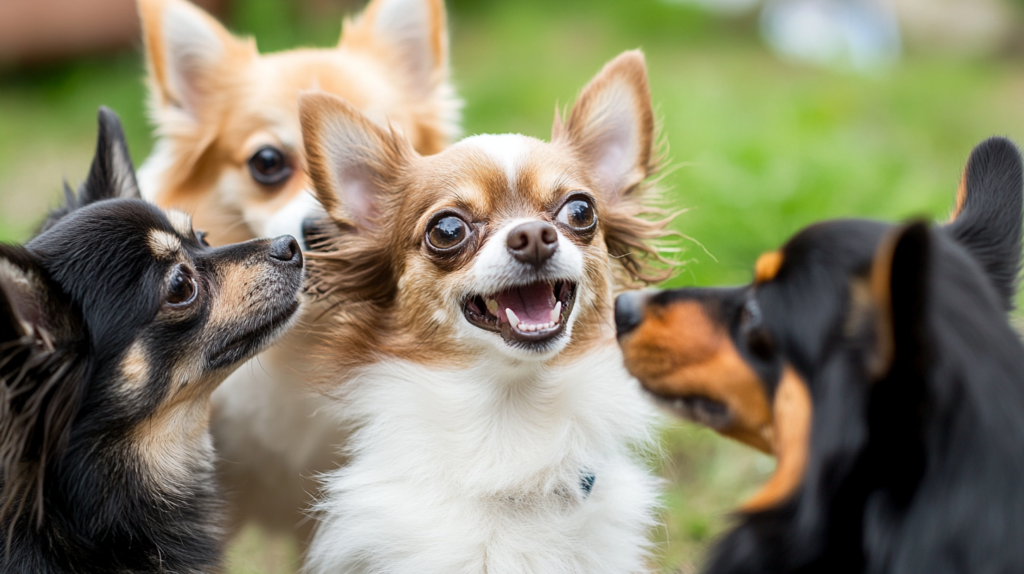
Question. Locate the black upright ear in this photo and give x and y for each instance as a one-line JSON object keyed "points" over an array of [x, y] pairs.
{"points": [[899, 286], [988, 212], [111, 176], [38, 381]]}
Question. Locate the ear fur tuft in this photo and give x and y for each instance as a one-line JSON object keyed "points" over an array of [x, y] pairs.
{"points": [[988, 215], [39, 386]]}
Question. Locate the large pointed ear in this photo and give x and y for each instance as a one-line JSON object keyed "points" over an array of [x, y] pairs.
{"points": [[111, 175], [611, 126], [187, 53], [899, 287], [988, 215], [351, 160], [412, 35], [22, 299]]}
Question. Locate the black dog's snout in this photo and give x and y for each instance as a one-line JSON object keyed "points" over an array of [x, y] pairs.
{"points": [[629, 311], [286, 250], [533, 242]]}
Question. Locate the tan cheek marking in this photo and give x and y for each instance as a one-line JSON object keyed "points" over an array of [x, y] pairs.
{"points": [[767, 266], [232, 300], [792, 433], [164, 245], [181, 222], [682, 352], [135, 367]]}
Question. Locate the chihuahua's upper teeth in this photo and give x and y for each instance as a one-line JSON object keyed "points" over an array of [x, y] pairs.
{"points": [[492, 306], [556, 313], [512, 318]]}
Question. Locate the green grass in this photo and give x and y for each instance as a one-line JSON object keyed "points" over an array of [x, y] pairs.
{"points": [[758, 148]]}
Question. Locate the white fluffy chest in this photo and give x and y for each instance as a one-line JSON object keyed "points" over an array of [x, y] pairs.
{"points": [[525, 469]]}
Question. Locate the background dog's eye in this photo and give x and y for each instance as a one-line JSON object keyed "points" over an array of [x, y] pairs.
{"points": [[447, 232], [201, 236], [578, 213], [182, 288], [269, 166]]}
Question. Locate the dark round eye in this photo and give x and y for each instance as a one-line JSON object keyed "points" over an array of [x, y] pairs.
{"points": [[201, 237], [447, 233], [269, 166], [182, 288], [578, 213]]}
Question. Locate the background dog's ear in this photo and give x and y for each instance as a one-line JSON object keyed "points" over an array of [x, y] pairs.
{"points": [[611, 126], [111, 175], [188, 53], [899, 287], [411, 35], [38, 390], [988, 215], [351, 159]]}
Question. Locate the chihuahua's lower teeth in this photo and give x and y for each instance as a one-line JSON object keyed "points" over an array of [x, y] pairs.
{"points": [[492, 306], [512, 319], [556, 313]]}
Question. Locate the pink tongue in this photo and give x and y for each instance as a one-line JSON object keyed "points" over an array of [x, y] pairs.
{"points": [[531, 303]]}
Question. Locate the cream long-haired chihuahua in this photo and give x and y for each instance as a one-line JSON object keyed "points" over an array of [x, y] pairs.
{"points": [[230, 153], [494, 428]]}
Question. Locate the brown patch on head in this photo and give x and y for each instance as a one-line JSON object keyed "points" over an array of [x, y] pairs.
{"points": [[164, 245], [678, 351], [216, 101], [767, 266], [135, 367], [880, 283], [792, 413]]}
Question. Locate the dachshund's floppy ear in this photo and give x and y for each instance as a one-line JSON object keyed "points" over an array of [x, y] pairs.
{"points": [[111, 175], [899, 286], [39, 381], [987, 217]]}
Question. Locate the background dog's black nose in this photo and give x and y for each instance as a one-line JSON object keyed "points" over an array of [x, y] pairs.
{"points": [[286, 250], [629, 311], [533, 242], [314, 231]]}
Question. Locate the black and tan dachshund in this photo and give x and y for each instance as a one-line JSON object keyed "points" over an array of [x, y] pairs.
{"points": [[117, 322], [876, 362]]}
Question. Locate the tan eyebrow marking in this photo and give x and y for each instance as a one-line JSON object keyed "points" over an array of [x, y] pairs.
{"points": [[164, 245], [767, 266], [180, 221]]}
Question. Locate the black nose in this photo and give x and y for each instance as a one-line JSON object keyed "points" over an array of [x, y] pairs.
{"points": [[629, 311], [315, 230], [533, 242], [286, 250]]}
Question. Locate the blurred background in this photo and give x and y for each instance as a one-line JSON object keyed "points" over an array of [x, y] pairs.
{"points": [[776, 113]]}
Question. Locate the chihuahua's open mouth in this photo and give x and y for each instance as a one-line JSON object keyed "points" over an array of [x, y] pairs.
{"points": [[530, 313]]}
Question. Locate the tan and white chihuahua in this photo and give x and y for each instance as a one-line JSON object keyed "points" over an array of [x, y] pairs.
{"points": [[472, 354], [230, 153]]}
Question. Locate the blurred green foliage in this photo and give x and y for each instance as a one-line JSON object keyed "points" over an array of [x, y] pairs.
{"points": [[757, 149]]}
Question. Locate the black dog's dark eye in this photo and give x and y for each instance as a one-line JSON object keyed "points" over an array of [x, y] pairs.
{"points": [[201, 236], [447, 233], [578, 213], [182, 288], [269, 166]]}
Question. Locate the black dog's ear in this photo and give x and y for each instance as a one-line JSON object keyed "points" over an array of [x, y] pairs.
{"points": [[988, 212], [38, 381], [899, 287], [111, 175]]}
